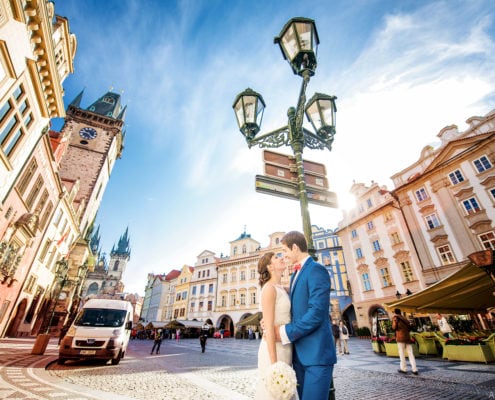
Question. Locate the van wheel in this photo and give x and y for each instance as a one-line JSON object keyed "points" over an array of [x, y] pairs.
{"points": [[61, 361], [116, 360]]}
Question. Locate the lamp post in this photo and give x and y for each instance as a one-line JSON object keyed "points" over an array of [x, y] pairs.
{"points": [[61, 272], [298, 41]]}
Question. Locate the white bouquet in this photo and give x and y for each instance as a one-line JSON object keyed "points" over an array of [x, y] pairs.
{"points": [[281, 381]]}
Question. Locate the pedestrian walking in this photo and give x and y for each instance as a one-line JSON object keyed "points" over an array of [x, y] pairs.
{"points": [[222, 332], [202, 340], [343, 338], [157, 341], [177, 335], [402, 327]]}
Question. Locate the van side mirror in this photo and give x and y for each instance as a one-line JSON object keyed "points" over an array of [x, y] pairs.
{"points": [[128, 325]]}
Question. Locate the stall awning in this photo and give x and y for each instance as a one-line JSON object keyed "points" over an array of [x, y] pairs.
{"points": [[470, 289], [179, 323], [251, 320]]}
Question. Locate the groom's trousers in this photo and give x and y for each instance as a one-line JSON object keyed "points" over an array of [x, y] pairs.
{"points": [[313, 381]]}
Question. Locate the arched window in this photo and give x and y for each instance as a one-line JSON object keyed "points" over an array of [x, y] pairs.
{"points": [[244, 249], [92, 289], [116, 265]]}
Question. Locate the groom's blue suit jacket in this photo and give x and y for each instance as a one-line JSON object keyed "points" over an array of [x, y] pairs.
{"points": [[310, 330]]}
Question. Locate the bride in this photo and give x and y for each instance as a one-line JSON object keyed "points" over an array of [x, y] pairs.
{"points": [[275, 306]]}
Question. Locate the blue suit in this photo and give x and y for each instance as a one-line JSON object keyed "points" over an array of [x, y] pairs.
{"points": [[310, 331]]}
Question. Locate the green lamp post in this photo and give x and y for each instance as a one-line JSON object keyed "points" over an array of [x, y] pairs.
{"points": [[298, 42]]}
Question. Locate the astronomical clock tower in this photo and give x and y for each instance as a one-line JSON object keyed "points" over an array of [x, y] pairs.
{"points": [[95, 139]]}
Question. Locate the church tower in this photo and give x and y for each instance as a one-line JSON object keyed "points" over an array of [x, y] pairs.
{"points": [[119, 256], [95, 139], [105, 281]]}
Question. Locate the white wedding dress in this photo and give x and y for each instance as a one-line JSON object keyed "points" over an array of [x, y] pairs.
{"points": [[284, 352]]}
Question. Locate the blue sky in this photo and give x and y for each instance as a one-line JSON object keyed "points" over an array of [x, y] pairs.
{"points": [[402, 70]]}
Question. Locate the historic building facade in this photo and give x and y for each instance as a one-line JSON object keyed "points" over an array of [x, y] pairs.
{"points": [[380, 254], [203, 289], [330, 254], [36, 55]]}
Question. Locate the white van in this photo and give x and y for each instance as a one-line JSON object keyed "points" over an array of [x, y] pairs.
{"points": [[101, 331]]}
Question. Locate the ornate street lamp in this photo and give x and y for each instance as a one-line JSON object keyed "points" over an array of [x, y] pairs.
{"points": [[298, 42], [249, 107]]}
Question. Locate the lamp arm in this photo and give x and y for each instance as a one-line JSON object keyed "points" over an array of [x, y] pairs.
{"points": [[313, 141], [276, 138]]}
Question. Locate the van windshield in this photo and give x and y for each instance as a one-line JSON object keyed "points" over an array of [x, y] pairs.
{"points": [[100, 317]]}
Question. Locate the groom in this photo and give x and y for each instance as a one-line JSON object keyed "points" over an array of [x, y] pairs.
{"points": [[314, 352]]}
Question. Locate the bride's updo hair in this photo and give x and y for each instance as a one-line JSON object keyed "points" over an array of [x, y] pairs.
{"points": [[263, 264]]}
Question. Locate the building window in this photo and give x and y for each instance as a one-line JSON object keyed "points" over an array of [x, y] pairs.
{"points": [[432, 221], [456, 177], [210, 305], [30, 284], [34, 192], [193, 305], [376, 245], [482, 164], [354, 233], [388, 216], [359, 253], [253, 274], [243, 298], [244, 249], [243, 275], [253, 297], [184, 295], [488, 240], [385, 276], [224, 278], [370, 225], [201, 305], [446, 254], [44, 218], [194, 290], [182, 312], [421, 194], [210, 288], [395, 238], [202, 289], [471, 205], [232, 299], [492, 192], [224, 301], [44, 251], [369, 203], [28, 175], [233, 277], [366, 281], [406, 271]]}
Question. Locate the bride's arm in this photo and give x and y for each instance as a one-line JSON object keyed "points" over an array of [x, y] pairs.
{"points": [[268, 297]]}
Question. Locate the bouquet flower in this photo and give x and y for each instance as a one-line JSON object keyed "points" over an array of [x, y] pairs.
{"points": [[280, 380]]}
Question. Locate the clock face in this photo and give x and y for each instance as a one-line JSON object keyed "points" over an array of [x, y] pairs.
{"points": [[87, 133]]}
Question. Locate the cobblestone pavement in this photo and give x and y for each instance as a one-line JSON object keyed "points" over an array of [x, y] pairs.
{"points": [[226, 371]]}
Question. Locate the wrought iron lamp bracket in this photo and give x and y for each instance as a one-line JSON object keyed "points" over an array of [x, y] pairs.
{"points": [[276, 138]]}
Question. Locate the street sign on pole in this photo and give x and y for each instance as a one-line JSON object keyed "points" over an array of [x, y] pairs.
{"points": [[282, 166], [288, 190]]}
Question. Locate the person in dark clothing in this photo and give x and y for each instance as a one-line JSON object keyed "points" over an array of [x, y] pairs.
{"points": [[157, 342], [202, 341]]}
